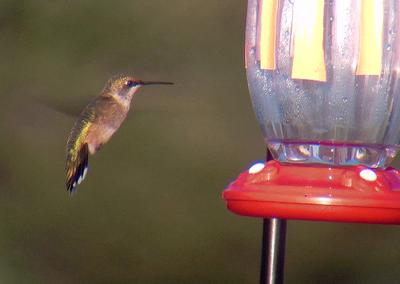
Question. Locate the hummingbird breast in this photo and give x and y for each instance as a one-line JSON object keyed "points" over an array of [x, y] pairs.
{"points": [[98, 135], [109, 115]]}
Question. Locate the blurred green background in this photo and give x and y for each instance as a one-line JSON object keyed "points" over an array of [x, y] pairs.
{"points": [[150, 210]]}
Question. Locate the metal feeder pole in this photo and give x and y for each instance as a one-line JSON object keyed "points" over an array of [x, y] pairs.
{"points": [[273, 248]]}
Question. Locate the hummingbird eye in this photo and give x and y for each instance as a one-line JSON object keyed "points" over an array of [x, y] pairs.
{"points": [[130, 83]]}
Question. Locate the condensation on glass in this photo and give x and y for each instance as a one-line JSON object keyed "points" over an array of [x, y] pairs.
{"points": [[323, 77]]}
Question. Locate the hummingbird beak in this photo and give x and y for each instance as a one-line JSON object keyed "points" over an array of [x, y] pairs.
{"points": [[154, 83]]}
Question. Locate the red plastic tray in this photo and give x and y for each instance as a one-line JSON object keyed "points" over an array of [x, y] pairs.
{"points": [[320, 193]]}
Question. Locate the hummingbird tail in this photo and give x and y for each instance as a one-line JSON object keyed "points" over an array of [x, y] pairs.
{"points": [[77, 167]]}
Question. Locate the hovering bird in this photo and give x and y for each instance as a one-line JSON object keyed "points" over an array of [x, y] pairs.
{"points": [[98, 122]]}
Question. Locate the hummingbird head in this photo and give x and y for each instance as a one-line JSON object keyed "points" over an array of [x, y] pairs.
{"points": [[124, 87]]}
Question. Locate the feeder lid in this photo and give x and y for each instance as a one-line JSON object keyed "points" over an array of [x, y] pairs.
{"points": [[319, 193]]}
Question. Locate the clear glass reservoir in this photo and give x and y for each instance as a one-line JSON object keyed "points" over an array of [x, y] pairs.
{"points": [[324, 79]]}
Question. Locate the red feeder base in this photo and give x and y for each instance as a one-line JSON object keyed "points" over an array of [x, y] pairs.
{"points": [[319, 193]]}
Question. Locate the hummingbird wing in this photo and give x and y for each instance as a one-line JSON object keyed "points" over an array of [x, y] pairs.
{"points": [[78, 149], [77, 155]]}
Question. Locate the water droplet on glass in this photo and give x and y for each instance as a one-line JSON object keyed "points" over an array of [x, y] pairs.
{"points": [[297, 89], [345, 100], [388, 47], [331, 19], [392, 32], [291, 2]]}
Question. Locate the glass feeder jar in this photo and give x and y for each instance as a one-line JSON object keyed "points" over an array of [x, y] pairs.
{"points": [[324, 79]]}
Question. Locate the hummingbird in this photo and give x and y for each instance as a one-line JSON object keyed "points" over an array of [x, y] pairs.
{"points": [[97, 123]]}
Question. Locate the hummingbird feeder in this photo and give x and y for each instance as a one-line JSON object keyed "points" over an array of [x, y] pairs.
{"points": [[324, 83]]}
